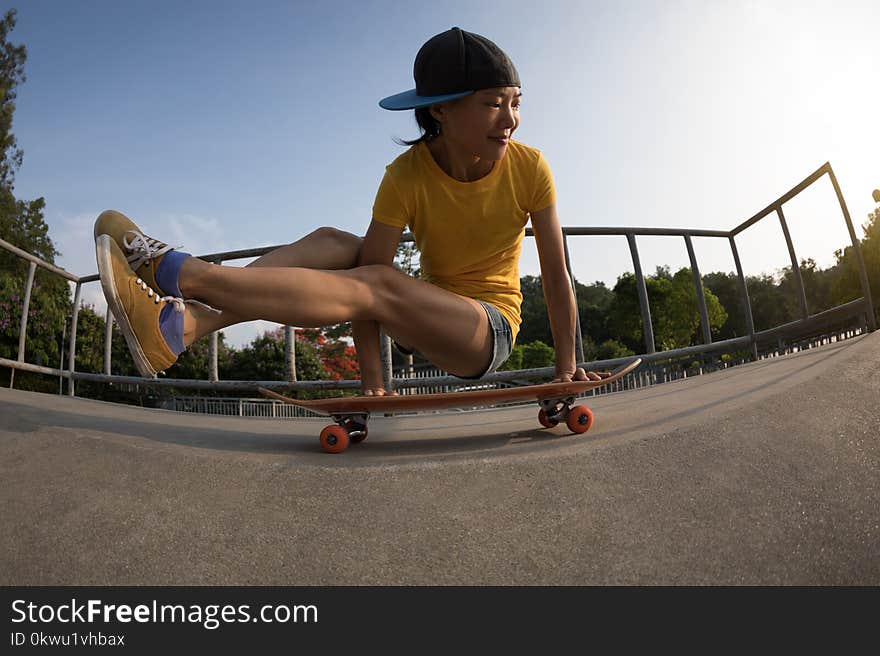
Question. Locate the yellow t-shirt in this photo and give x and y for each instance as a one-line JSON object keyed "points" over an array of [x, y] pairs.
{"points": [[469, 233]]}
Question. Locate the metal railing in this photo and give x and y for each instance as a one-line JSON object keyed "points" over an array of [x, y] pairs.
{"points": [[859, 311]]}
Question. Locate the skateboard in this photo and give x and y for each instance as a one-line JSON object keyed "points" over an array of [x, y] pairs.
{"points": [[350, 414]]}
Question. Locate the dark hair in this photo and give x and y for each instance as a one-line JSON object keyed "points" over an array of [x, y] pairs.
{"points": [[429, 126]]}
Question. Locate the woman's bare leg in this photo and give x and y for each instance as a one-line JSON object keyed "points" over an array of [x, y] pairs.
{"points": [[325, 248], [450, 330]]}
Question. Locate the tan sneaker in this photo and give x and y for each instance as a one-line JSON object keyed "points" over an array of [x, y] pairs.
{"points": [[142, 253], [136, 307]]}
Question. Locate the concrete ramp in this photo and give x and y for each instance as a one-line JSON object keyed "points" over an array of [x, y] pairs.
{"points": [[767, 473]]}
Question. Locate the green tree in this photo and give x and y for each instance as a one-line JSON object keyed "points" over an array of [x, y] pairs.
{"points": [[534, 355], [264, 359], [535, 321], [90, 341], [675, 316], [624, 314], [12, 59], [537, 354], [195, 362], [90, 359], [515, 361], [47, 315], [22, 224], [684, 323], [594, 302], [770, 308], [607, 350], [726, 288], [847, 285], [819, 286]]}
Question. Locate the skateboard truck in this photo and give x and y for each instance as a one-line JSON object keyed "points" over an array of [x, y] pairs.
{"points": [[555, 411]]}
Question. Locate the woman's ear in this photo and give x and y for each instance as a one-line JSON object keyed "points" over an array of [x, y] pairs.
{"points": [[438, 111]]}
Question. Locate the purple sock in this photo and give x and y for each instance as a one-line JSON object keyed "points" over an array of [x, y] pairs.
{"points": [[169, 271], [171, 325]]}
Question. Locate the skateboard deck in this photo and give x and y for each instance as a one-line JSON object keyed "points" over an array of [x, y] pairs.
{"points": [[351, 413]]}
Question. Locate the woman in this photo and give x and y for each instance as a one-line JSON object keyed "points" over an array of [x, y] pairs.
{"points": [[465, 189]]}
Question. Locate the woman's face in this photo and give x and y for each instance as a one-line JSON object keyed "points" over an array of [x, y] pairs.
{"points": [[482, 123]]}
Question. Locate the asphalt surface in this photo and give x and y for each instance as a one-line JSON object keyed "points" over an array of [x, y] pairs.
{"points": [[767, 473]]}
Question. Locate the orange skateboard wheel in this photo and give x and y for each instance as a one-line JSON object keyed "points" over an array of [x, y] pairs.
{"points": [[579, 419], [545, 421], [334, 439]]}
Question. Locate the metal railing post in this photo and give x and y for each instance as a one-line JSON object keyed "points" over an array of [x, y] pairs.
{"points": [[860, 262], [647, 328], [61, 359], [747, 305], [579, 339], [386, 359], [795, 267], [74, 320], [213, 355], [213, 358], [289, 354], [701, 295], [108, 341], [25, 309]]}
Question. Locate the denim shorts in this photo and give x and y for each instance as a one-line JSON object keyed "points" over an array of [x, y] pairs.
{"points": [[502, 340]]}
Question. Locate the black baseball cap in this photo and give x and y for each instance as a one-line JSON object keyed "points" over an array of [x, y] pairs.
{"points": [[452, 65]]}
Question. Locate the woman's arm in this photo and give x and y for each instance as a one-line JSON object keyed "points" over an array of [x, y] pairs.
{"points": [[558, 294], [379, 247]]}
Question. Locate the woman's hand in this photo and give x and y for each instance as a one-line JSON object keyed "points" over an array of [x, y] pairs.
{"points": [[578, 375]]}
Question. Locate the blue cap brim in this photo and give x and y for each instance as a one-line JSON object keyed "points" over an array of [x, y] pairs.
{"points": [[411, 100]]}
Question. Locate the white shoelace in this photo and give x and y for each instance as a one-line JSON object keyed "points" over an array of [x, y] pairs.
{"points": [[175, 301], [143, 248], [146, 248]]}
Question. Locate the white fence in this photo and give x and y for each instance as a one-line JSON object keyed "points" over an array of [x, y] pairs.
{"points": [[233, 407]]}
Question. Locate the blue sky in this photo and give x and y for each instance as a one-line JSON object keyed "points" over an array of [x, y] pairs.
{"points": [[226, 125]]}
